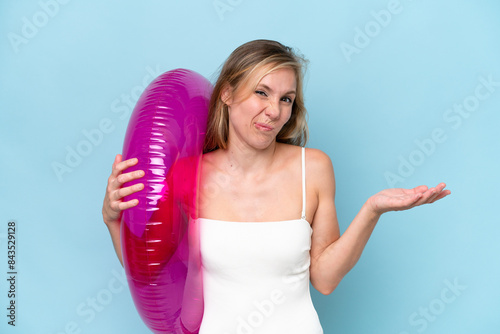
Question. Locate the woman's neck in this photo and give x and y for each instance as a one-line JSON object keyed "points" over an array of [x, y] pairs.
{"points": [[249, 160]]}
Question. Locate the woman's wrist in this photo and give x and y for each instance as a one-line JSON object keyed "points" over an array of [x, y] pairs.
{"points": [[371, 211]]}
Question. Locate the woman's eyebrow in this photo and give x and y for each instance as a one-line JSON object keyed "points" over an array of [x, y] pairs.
{"points": [[266, 87]]}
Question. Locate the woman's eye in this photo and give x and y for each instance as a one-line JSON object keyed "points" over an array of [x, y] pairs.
{"points": [[259, 92], [287, 99]]}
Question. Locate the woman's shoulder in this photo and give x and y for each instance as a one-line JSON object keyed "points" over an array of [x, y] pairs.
{"points": [[317, 156], [211, 158], [317, 162], [313, 156], [319, 169]]}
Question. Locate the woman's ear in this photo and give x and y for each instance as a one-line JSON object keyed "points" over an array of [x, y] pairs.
{"points": [[226, 95]]}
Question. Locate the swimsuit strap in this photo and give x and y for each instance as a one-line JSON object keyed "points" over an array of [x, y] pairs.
{"points": [[303, 184]]}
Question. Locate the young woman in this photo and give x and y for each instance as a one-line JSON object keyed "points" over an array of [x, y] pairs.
{"points": [[269, 223]]}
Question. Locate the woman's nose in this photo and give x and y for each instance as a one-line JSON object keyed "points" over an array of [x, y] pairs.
{"points": [[273, 110]]}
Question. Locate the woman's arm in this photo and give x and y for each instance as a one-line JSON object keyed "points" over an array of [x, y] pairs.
{"points": [[332, 255], [113, 204]]}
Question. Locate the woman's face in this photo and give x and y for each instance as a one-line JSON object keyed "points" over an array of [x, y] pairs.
{"points": [[256, 120]]}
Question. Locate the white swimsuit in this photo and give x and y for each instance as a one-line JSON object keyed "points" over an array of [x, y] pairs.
{"points": [[256, 276]]}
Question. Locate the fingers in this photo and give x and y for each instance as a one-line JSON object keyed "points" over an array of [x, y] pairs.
{"points": [[117, 179], [117, 192], [113, 204], [122, 192], [120, 206], [420, 189], [127, 177], [438, 191], [433, 194], [441, 195], [119, 166], [118, 159]]}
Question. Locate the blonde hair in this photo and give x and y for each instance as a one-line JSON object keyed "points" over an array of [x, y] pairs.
{"points": [[256, 57]]}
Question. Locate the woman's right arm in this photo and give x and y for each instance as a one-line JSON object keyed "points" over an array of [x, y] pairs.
{"points": [[113, 205]]}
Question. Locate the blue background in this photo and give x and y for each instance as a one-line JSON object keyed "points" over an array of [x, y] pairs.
{"points": [[67, 69]]}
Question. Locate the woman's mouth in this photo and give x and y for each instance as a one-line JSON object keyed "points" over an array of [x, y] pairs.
{"points": [[263, 127]]}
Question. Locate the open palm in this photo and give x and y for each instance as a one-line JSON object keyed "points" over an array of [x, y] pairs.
{"points": [[397, 199]]}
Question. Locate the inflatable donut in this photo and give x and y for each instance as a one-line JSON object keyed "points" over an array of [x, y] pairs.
{"points": [[158, 236]]}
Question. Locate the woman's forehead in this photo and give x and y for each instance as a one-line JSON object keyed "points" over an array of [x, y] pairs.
{"points": [[273, 76], [284, 75]]}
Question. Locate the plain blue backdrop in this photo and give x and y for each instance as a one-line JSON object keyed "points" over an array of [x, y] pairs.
{"points": [[399, 93]]}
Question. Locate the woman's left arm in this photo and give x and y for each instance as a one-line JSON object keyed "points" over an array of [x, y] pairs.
{"points": [[332, 255]]}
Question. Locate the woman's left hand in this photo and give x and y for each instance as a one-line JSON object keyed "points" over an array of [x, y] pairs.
{"points": [[398, 199]]}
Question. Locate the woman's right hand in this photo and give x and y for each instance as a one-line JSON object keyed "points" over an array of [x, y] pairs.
{"points": [[113, 204]]}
